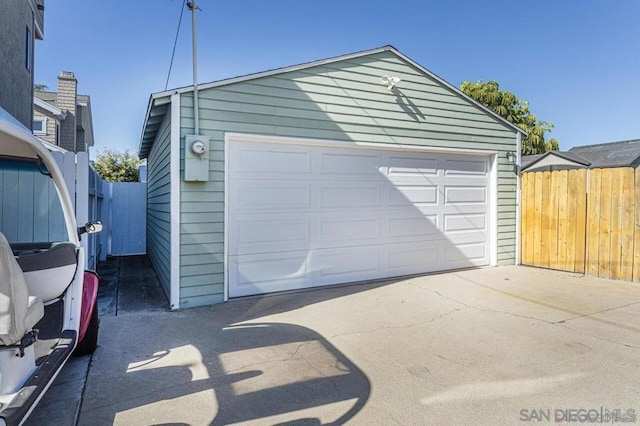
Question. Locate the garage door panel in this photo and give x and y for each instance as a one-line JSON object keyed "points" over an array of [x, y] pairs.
{"points": [[466, 167], [350, 214], [467, 237], [350, 163], [281, 233], [465, 222], [402, 196], [422, 227], [252, 161], [254, 274], [407, 259], [354, 230], [261, 196], [412, 166], [470, 254], [344, 196], [343, 265], [465, 194]]}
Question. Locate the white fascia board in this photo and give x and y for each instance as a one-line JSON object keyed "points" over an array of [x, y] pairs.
{"points": [[244, 137], [174, 149], [57, 112]]}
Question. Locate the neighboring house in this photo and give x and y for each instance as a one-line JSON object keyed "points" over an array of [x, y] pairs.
{"points": [[63, 118], [21, 23], [605, 155], [359, 167]]}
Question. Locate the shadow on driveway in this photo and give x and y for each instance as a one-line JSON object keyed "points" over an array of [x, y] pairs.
{"points": [[216, 368]]}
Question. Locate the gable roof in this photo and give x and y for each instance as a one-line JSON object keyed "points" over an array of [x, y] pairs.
{"points": [[612, 154], [529, 161], [52, 98], [158, 107], [604, 155]]}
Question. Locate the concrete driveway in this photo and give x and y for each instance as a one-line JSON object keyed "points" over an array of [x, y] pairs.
{"points": [[486, 346]]}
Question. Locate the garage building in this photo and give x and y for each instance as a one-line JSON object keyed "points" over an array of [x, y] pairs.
{"points": [[360, 167]]}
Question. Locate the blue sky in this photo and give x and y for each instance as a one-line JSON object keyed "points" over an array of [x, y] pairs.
{"points": [[577, 62]]}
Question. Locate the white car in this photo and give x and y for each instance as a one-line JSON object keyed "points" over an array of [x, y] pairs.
{"points": [[48, 304]]}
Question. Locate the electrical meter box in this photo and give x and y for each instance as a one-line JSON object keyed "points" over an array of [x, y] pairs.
{"points": [[196, 158]]}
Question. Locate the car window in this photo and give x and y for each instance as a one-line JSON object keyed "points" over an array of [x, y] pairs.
{"points": [[30, 209]]}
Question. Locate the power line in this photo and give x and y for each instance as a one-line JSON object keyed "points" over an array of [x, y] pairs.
{"points": [[175, 43]]}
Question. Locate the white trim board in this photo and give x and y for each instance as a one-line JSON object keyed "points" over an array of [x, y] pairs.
{"points": [[174, 297], [493, 212], [518, 195]]}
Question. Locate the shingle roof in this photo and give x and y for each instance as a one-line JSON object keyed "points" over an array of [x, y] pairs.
{"points": [[526, 160], [50, 97], [529, 161], [613, 154]]}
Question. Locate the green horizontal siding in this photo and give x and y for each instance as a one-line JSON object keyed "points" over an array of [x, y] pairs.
{"points": [[342, 101], [159, 205]]}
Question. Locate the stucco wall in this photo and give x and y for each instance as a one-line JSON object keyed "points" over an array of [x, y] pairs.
{"points": [[16, 84]]}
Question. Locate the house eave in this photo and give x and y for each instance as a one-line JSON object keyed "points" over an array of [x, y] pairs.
{"points": [[57, 112], [156, 110]]}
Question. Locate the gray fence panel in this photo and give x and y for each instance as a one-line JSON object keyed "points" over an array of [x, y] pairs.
{"points": [[128, 218]]}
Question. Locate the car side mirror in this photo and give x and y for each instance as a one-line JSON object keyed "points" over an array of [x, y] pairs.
{"points": [[90, 228]]}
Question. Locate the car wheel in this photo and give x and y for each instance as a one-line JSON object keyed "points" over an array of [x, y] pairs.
{"points": [[90, 342]]}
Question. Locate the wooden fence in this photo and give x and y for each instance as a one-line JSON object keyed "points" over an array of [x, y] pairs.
{"points": [[582, 221]]}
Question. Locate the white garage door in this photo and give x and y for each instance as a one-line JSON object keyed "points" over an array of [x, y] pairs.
{"points": [[304, 215]]}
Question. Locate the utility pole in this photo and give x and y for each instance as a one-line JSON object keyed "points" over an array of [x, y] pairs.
{"points": [[194, 42]]}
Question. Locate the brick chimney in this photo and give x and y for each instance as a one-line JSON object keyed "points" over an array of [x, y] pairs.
{"points": [[67, 100]]}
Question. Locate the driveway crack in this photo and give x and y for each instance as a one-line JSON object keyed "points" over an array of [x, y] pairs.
{"points": [[396, 327], [496, 311], [554, 323], [595, 336], [295, 355], [598, 312]]}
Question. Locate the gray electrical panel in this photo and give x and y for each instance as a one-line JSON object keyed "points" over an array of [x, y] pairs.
{"points": [[196, 158]]}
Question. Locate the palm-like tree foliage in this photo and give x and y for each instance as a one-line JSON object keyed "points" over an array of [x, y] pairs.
{"points": [[514, 110]]}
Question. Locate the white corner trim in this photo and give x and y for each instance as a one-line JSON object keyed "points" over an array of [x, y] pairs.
{"points": [[225, 258], [174, 299], [518, 196], [493, 216]]}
